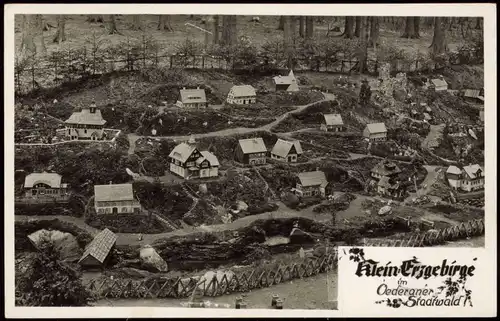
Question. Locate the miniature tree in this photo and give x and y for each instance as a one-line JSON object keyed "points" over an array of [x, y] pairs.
{"points": [[365, 93], [49, 282]]}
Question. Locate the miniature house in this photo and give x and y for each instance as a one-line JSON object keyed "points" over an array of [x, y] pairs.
{"points": [[286, 83], [251, 151], [286, 151], [115, 198], [43, 185], [469, 178], [332, 123], [439, 84], [385, 169], [375, 132], [242, 95], [192, 98], [188, 162], [311, 184], [97, 252], [86, 124]]}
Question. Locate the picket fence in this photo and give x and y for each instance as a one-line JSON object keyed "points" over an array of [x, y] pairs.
{"points": [[434, 237], [230, 282]]}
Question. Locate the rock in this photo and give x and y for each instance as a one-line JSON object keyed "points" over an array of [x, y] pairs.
{"points": [[297, 236], [65, 243], [385, 210], [150, 257]]}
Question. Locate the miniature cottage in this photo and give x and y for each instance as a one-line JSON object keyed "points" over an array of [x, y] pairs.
{"points": [[188, 162], [43, 185], [86, 124], [469, 178], [98, 250], [192, 98], [251, 151], [385, 169], [242, 95], [439, 84], [115, 198], [332, 123], [286, 151], [474, 94], [286, 83], [311, 184], [375, 132]]}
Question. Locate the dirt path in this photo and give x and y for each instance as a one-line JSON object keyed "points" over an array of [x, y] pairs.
{"points": [[429, 180], [133, 238], [434, 137], [132, 138]]}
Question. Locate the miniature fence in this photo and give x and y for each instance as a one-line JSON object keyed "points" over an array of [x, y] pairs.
{"points": [[434, 237], [74, 141], [230, 282]]}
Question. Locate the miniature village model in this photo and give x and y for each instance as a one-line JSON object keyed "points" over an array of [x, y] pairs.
{"points": [[210, 161]]}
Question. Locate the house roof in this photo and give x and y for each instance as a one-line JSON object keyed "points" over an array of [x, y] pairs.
{"points": [[51, 179], [252, 145], [312, 178], [386, 168], [376, 128], [453, 170], [85, 117], [282, 147], [100, 246], [113, 192], [472, 170], [243, 91], [182, 152], [285, 80], [193, 95], [439, 82], [212, 159], [333, 119], [473, 93]]}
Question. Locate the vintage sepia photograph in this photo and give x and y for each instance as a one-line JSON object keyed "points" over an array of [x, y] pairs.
{"points": [[219, 161]]}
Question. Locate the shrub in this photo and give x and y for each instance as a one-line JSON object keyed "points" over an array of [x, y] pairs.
{"points": [[127, 223]]}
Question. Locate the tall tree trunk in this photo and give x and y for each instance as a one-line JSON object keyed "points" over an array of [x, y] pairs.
{"points": [[409, 28], [288, 39], [164, 23], [209, 26], [348, 28], [309, 27], [478, 23], [216, 30], [302, 26], [234, 29], [357, 29], [27, 36], [229, 32], [136, 22], [112, 25], [60, 35], [416, 27], [281, 24], [364, 44], [374, 31], [439, 44], [39, 28], [293, 28]]}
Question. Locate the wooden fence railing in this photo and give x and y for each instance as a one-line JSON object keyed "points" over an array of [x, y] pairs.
{"points": [[434, 237], [219, 284]]}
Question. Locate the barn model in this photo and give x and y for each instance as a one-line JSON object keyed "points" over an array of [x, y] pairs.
{"points": [[97, 252]]}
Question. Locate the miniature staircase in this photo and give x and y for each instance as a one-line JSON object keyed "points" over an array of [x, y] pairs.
{"points": [[164, 221]]}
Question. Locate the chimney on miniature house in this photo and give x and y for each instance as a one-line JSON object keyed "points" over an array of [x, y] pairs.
{"points": [[191, 141], [93, 107]]}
